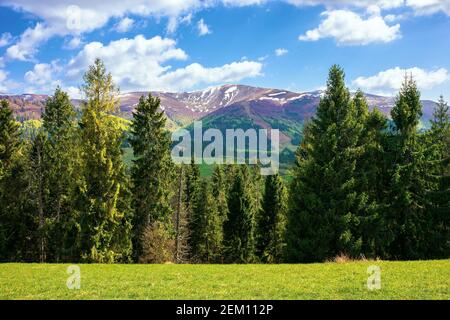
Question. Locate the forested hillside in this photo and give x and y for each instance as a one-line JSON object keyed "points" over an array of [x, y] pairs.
{"points": [[362, 186]]}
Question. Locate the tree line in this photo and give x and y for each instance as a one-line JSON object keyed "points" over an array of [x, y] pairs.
{"points": [[363, 186]]}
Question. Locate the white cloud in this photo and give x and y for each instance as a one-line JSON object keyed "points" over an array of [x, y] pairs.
{"points": [[25, 48], [73, 43], [348, 28], [5, 39], [281, 52], [75, 17], [141, 64], [384, 4], [124, 25], [3, 87], [429, 6], [42, 77], [203, 28], [390, 81]]}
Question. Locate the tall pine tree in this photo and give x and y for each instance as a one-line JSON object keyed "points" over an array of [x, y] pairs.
{"points": [[239, 229], [104, 217], [272, 221], [152, 171], [325, 200]]}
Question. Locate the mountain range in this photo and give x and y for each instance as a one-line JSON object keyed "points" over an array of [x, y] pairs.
{"points": [[226, 106]]}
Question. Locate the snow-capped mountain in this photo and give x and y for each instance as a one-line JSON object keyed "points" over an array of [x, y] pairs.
{"points": [[183, 108]]}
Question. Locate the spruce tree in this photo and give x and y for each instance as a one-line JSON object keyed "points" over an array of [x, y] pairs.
{"points": [[17, 241], [152, 171], [239, 229], [208, 229], [193, 201], [369, 175], [405, 220], [325, 200], [62, 154], [104, 219], [272, 221], [438, 152]]}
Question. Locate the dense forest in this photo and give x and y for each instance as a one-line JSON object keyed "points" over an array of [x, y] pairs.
{"points": [[363, 186]]}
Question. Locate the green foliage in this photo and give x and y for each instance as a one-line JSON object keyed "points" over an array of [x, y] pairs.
{"points": [[61, 174], [104, 217], [239, 229], [272, 221], [325, 198], [152, 170]]}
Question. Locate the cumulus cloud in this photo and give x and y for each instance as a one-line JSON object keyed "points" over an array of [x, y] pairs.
{"points": [[203, 28], [429, 6], [281, 52], [26, 47], [142, 64], [390, 81], [42, 78], [5, 39], [349, 28], [124, 25]]}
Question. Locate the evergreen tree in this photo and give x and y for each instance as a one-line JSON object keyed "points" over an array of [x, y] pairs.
{"points": [[152, 171], [369, 176], [405, 220], [438, 152], [17, 242], [272, 221], [208, 229], [61, 152], [104, 217], [193, 201], [325, 200], [239, 229], [9, 137]]}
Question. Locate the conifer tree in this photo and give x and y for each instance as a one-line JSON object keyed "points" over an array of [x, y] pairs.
{"points": [[193, 201], [325, 201], [152, 170], [239, 229], [405, 220], [272, 221], [369, 176], [208, 227], [104, 217], [61, 152], [439, 174], [16, 222]]}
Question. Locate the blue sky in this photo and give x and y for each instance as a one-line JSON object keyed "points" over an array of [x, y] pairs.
{"points": [[185, 45]]}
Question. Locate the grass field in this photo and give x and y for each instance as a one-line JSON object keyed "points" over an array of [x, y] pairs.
{"points": [[399, 280]]}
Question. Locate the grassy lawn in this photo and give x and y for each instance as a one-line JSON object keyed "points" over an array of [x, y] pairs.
{"points": [[399, 280]]}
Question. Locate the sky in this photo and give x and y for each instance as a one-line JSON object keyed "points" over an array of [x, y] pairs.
{"points": [[188, 45]]}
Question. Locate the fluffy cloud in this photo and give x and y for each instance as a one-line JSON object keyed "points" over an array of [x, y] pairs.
{"points": [[348, 28], [141, 64], [203, 28], [5, 39], [124, 25], [385, 4], [390, 80], [26, 47], [42, 77], [429, 6], [281, 52]]}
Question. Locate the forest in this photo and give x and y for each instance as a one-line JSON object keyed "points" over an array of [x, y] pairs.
{"points": [[363, 186]]}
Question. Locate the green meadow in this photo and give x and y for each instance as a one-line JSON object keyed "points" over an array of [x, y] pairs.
{"points": [[348, 280]]}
